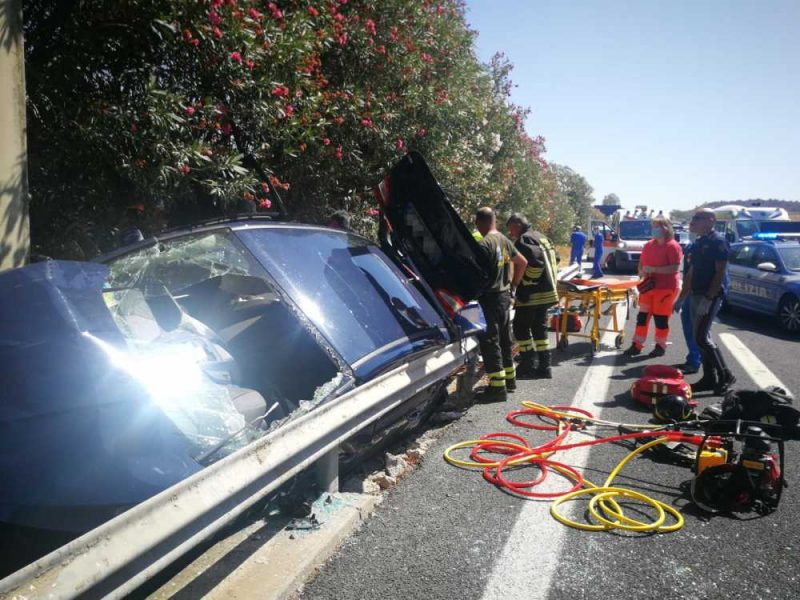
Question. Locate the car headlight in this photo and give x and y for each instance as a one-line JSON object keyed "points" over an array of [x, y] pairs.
{"points": [[621, 245]]}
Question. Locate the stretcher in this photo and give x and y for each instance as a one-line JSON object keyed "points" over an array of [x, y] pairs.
{"points": [[593, 298]]}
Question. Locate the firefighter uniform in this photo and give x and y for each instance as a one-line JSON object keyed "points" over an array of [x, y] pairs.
{"points": [[535, 294], [496, 344]]}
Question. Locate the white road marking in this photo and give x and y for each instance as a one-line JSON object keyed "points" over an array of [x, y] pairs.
{"points": [[517, 574], [756, 369]]}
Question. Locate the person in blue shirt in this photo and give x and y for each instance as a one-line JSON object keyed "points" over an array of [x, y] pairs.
{"points": [[599, 238], [706, 285], [578, 241]]}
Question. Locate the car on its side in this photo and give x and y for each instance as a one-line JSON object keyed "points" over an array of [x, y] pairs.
{"points": [[764, 276], [127, 375]]}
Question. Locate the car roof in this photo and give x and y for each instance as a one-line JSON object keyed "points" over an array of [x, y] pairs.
{"points": [[235, 224]]}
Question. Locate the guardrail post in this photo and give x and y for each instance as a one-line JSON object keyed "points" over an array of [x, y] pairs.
{"points": [[327, 472]]}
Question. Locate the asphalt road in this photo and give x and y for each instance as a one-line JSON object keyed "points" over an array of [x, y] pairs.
{"points": [[444, 532]]}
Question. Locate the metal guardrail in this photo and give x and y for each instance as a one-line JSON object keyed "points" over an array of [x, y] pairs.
{"points": [[117, 557], [569, 272]]}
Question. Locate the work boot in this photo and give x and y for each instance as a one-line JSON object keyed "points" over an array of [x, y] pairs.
{"points": [[708, 381], [527, 365], [725, 378], [511, 384], [491, 394], [688, 368], [633, 350], [543, 371], [657, 351]]}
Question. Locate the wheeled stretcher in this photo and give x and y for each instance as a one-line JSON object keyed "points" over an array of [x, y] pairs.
{"points": [[593, 298]]}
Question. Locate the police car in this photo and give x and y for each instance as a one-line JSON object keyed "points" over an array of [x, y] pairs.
{"points": [[764, 275]]}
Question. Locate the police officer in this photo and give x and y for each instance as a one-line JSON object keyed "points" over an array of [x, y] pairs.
{"points": [[507, 269], [535, 294], [705, 285]]}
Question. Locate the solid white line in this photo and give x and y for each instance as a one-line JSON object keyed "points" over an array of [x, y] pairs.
{"points": [[526, 566], [756, 369]]}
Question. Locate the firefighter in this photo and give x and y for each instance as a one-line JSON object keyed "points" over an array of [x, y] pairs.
{"points": [[507, 269], [534, 295]]}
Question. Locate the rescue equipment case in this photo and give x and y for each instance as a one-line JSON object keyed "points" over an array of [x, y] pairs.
{"points": [[659, 381]]}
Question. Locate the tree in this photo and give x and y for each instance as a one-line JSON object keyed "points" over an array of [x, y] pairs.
{"points": [[575, 190], [611, 200], [196, 108]]}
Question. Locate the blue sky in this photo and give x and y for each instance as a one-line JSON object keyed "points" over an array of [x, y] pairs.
{"points": [[669, 103]]}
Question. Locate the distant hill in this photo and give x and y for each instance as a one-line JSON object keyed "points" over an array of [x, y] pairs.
{"points": [[792, 206]]}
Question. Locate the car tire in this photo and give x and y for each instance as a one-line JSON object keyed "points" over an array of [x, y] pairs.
{"points": [[789, 313]]}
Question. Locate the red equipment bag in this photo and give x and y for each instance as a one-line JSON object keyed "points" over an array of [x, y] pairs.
{"points": [[574, 323], [658, 381]]}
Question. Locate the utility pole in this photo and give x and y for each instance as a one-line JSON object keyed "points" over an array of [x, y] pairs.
{"points": [[14, 224]]}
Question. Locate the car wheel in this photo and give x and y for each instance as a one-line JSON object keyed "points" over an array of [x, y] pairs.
{"points": [[789, 313]]}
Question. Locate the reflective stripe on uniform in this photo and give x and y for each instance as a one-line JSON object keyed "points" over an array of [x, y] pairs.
{"points": [[525, 345], [511, 372], [542, 344], [497, 379]]}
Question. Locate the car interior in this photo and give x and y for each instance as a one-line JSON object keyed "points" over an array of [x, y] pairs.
{"points": [[267, 355]]}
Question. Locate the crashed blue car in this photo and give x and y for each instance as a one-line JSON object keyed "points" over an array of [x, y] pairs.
{"points": [[124, 376]]}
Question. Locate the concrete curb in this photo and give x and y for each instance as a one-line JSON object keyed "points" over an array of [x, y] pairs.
{"points": [[271, 562]]}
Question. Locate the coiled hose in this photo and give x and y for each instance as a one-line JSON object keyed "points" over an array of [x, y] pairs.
{"points": [[605, 511]]}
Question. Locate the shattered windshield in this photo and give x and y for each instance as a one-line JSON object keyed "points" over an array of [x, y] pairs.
{"points": [[176, 370], [244, 355], [181, 363]]}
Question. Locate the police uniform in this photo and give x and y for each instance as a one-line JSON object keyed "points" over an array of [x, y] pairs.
{"points": [[535, 294], [496, 343], [704, 255]]}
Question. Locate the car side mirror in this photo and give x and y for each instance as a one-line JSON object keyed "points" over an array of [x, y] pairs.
{"points": [[770, 267], [614, 237]]}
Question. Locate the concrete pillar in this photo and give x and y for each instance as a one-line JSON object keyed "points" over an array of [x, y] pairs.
{"points": [[14, 226]]}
